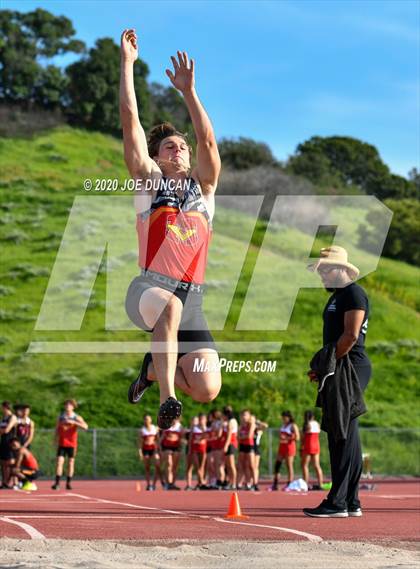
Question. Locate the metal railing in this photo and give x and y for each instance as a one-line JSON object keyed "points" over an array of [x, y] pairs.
{"points": [[112, 453]]}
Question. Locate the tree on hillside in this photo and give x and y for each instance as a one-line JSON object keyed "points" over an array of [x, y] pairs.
{"points": [[347, 161], [27, 41], [94, 89], [403, 240], [168, 105], [244, 153]]}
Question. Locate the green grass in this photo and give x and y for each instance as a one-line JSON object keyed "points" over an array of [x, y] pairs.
{"points": [[41, 178]]}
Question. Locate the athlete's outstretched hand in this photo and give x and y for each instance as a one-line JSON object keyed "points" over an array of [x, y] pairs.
{"points": [[183, 80], [129, 48]]}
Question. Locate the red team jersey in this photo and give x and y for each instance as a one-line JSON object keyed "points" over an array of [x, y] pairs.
{"points": [[244, 437], [29, 462], [198, 440], [174, 234], [149, 437], [67, 434]]}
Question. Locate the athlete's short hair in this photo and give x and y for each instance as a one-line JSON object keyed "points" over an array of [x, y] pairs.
{"points": [[159, 133], [7, 405], [72, 402]]}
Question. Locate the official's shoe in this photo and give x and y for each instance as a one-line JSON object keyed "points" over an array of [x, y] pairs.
{"points": [[324, 510]]}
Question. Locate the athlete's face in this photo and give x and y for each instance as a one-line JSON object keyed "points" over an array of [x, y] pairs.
{"points": [[147, 420], [285, 419], [69, 408], [246, 416], [203, 421], [174, 150]]}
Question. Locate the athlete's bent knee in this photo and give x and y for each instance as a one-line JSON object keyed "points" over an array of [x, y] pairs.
{"points": [[206, 393]]}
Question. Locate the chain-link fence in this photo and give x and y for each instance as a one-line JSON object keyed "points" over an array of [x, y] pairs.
{"points": [[112, 453]]}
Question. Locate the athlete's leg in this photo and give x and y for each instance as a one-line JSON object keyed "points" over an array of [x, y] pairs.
{"points": [[70, 467], [202, 386], [305, 470], [146, 462], [257, 467], [168, 466], [318, 469], [189, 470], [231, 469], [59, 466], [162, 311], [219, 465], [253, 470], [277, 467], [158, 473], [175, 463], [200, 464], [289, 465]]}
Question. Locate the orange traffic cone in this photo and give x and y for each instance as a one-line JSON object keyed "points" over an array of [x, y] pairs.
{"points": [[234, 511], [138, 487]]}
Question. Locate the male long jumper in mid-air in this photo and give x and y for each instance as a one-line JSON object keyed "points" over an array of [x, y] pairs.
{"points": [[174, 226]]}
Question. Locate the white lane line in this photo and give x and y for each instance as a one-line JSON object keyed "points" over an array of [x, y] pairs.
{"points": [[392, 496], [31, 531], [95, 516], [20, 501], [309, 536], [103, 501]]}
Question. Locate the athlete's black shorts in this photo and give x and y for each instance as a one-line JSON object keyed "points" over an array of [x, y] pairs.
{"points": [[257, 450], [246, 448], [6, 452], [231, 450], [193, 332], [66, 451], [171, 449], [149, 452]]}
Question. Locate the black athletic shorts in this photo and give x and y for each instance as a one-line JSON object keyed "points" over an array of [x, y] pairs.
{"points": [[149, 452], [231, 450], [6, 452], [246, 448], [257, 450], [171, 449], [66, 451], [193, 332]]}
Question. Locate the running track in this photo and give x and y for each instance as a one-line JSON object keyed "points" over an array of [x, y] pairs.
{"points": [[116, 510]]}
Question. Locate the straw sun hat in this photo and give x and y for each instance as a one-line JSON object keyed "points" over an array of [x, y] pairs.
{"points": [[336, 256]]}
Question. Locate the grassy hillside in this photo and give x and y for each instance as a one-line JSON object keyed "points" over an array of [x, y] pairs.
{"points": [[40, 179]]}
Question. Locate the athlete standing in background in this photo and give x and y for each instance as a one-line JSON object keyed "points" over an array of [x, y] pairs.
{"points": [[66, 438]]}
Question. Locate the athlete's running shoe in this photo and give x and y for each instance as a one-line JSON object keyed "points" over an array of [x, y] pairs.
{"points": [[141, 384], [55, 486], [69, 486], [29, 486], [170, 410]]}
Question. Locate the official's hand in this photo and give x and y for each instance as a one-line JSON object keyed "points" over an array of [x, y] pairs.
{"points": [[312, 375]]}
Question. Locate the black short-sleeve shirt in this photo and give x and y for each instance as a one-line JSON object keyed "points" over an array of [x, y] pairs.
{"points": [[351, 297]]}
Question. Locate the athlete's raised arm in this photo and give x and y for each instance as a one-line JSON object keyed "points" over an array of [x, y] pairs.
{"points": [[208, 159], [136, 154]]}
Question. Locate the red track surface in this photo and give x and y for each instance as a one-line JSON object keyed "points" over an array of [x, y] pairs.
{"points": [[116, 510]]}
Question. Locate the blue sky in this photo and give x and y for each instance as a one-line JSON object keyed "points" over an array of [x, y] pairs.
{"points": [[281, 71]]}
